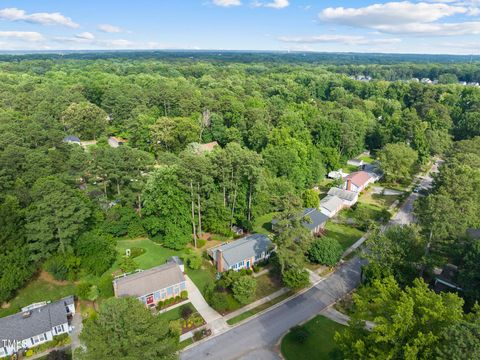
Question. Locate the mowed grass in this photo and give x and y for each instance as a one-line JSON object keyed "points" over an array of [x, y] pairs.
{"points": [[382, 201], [38, 290], [346, 235], [266, 285], [319, 345], [203, 277], [155, 254], [263, 224], [176, 313]]}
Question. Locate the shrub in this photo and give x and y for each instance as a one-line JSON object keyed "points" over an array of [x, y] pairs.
{"points": [[136, 229], [201, 243], [256, 268], [295, 278], [300, 334], [194, 261], [97, 252], [175, 328], [249, 272], [184, 294], [186, 312], [219, 302], [127, 264], [105, 286], [136, 252], [160, 305], [244, 289], [83, 290], [326, 251], [62, 267]]}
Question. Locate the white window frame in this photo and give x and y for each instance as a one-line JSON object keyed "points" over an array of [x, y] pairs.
{"points": [[61, 331]]}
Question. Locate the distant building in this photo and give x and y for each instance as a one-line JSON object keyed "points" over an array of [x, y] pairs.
{"points": [[349, 198], [35, 325], [355, 162], [242, 253], [336, 175], [115, 141], [330, 205], [446, 280], [207, 147], [72, 139], [153, 285]]}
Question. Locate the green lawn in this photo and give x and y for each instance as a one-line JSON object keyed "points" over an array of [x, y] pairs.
{"points": [[155, 254], [175, 314], [319, 344], [346, 235], [266, 285], [263, 224], [36, 291], [366, 159], [203, 276]]}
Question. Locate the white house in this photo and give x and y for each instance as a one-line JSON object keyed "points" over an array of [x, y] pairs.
{"points": [[330, 205], [35, 325], [339, 174], [349, 198]]}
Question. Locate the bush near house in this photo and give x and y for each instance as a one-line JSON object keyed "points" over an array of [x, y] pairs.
{"points": [[325, 251]]}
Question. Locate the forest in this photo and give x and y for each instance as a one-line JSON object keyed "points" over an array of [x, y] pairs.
{"points": [[281, 127]]}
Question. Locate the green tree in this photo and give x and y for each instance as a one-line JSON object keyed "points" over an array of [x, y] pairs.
{"points": [[166, 208], [125, 329], [398, 161], [460, 341], [326, 251], [244, 288], [85, 119], [96, 251], [55, 218], [405, 324], [173, 134], [310, 199]]}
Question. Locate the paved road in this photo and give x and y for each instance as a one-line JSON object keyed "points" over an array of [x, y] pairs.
{"points": [[256, 338]]}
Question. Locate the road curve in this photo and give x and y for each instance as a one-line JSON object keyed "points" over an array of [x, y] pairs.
{"points": [[256, 338]]}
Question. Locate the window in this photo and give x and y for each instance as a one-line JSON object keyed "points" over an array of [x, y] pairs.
{"points": [[177, 290], [157, 295], [170, 291], [38, 339], [59, 329], [164, 294], [183, 286]]}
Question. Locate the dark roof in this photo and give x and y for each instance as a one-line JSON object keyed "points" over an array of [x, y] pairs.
{"points": [[149, 281], [474, 233], [42, 319], [245, 248], [71, 138], [316, 217]]}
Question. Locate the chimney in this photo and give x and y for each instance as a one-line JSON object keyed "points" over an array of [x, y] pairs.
{"points": [[349, 184], [219, 261]]}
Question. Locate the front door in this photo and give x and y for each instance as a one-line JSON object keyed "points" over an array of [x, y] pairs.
{"points": [[149, 299], [248, 264]]}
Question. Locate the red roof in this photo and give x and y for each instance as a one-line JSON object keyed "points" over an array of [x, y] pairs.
{"points": [[359, 178], [208, 146]]}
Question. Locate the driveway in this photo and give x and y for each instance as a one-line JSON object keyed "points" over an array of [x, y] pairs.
{"points": [[256, 339]]}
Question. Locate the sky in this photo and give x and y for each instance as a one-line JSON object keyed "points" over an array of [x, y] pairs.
{"points": [[426, 27]]}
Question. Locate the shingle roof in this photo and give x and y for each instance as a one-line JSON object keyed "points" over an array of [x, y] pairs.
{"points": [[342, 194], [244, 248], [149, 281], [359, 178], [42, 319], [316, 217], [331, 203], [71, 138]]}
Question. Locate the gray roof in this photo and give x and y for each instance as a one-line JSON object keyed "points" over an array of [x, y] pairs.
{"points": [[316, 217], [331, 203], [342, 194], [42, 319], [71, 138], [242, 249], [148, 281], [474, 233]]}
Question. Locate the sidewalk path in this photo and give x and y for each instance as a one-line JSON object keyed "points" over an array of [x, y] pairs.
{"points": [[213, 319], [256, 303], [335, 315]]}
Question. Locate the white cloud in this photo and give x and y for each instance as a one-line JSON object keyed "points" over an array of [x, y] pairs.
{"points": [[391, 13], [31, 36], [339, 39], [85, 35], [274, 4], [433, 29], [43, 18], [227, 3], [108, 28]]}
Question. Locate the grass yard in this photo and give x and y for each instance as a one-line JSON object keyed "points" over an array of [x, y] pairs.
{"points": [[346, 235], [38, 290], [263, 224], [259, 308], [154, 255], [176, 313], [319, 343], [202, 277], [266, 285], [367, 159], [383, 201]]}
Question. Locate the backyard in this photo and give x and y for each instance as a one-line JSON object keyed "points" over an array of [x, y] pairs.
{"points": [[312, 341]]}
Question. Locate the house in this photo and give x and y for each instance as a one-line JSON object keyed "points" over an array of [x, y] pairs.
{"points": [[242, 253], [315, 220], [207, 147], [357, 181], [153, 285], [349, 198], [115, 141], [35, 324], [330, 205], [336, 175], [72, 139], [446, 279]]}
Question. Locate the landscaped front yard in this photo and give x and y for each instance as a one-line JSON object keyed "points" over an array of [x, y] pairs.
{"points": [[314, 341], [346, 235]]}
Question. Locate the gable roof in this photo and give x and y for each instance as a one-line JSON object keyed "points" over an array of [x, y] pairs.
{"points": [[245, 248], [342, 194], [208, 146], [40, 320], [71, 138], [148, 281], [359, 178], [315, 216], [331, 203]]}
